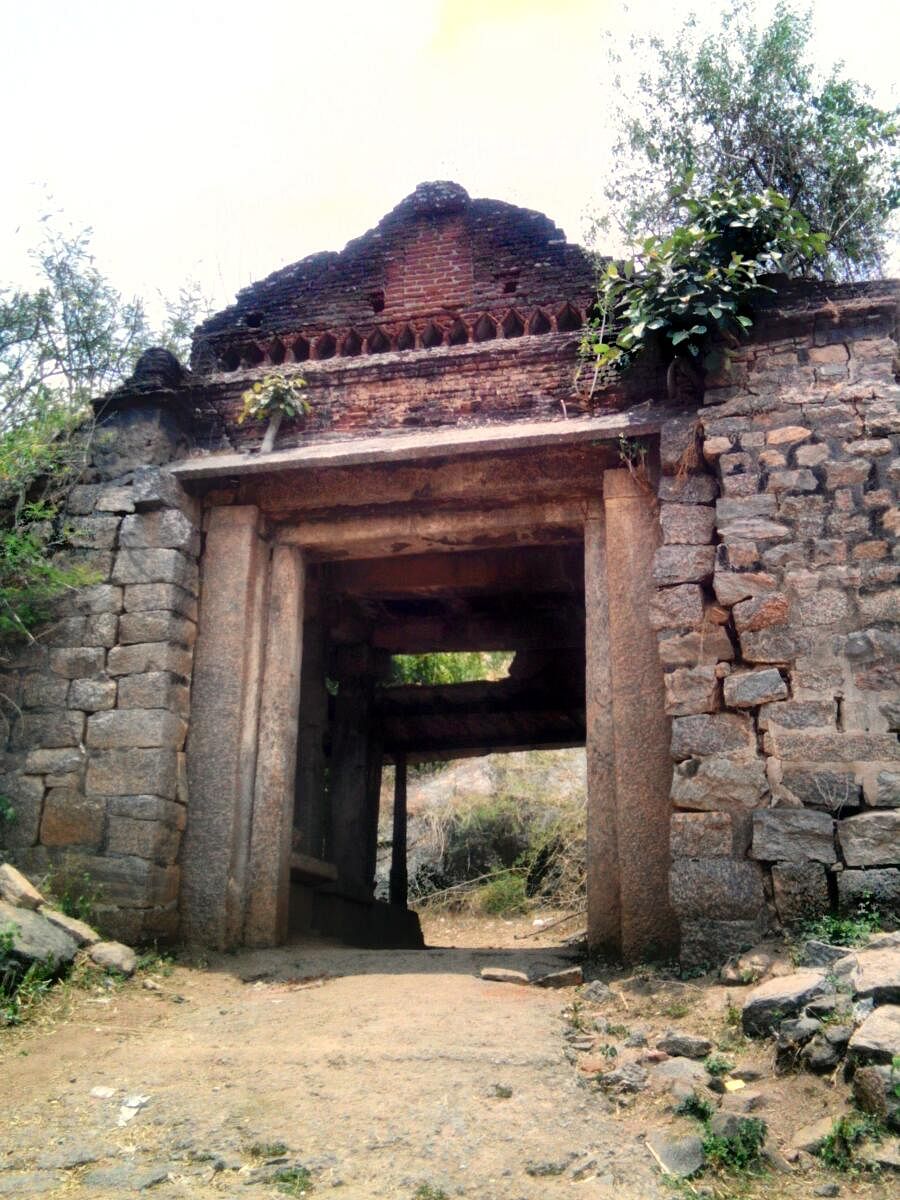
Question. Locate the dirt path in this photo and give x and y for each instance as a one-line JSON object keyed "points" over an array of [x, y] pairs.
{"points": [[379, 1071]]}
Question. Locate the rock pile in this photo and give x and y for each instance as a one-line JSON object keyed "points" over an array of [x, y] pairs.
{"points": [[38, 933], [842, 1009]]}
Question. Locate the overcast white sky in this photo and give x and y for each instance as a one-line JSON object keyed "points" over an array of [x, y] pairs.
{"points": [[222, 140]]}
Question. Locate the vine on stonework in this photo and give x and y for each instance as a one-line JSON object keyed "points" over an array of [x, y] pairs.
{"points": [[695, 292]]}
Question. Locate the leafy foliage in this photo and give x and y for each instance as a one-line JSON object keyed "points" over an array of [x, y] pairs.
{"points": [[744, 103], [740, 1151], [837, 1149], [696, 288], [276, 394], [850, 930], [74, 890], [449, 667], [20, 987]]}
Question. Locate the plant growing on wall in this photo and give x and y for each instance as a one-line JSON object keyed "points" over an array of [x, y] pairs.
{"points": [[275, 397], [694, 292]]}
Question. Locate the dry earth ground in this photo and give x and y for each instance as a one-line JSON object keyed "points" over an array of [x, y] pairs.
{"points": [[380, 1071]]}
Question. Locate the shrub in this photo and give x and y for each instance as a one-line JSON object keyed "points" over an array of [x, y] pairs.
{"points": [[849, 930], [739, 1152], [837, 1149], [502, 896]]}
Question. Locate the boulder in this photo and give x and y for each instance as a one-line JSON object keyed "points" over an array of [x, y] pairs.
{"points": [[35, 939], [680, 1157], [15, 889], [113, 956], [876, 974], [768, 1004], [684, 1045], [820, 954], [878, 1038]]}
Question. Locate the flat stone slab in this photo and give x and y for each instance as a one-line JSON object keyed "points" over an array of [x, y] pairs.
{"points": [[665, 1075], [783, 996], [684, 1045], [570, 977], [83, 934], [811, 1137], [681, 1157], [35, 939], [504, 975], [877, 975], [878, 1038]]}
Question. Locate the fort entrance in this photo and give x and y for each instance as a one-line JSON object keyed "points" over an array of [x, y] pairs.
{"points": [[444, 543]]}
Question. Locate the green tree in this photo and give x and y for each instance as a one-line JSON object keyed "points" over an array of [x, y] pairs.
{"points": [[75, 336], [744, 105], [71, 338]]}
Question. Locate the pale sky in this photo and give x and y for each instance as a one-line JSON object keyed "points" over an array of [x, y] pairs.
{"points": [[221, 141]]}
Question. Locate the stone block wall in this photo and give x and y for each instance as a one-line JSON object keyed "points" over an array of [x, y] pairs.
{"points": [[776, 612], [97, 708]]}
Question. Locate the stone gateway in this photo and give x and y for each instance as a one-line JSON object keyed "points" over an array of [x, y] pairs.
{"points": [[702, 592]]}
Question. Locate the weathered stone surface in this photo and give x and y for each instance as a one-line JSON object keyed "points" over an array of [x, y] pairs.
{"points": [[35, 939], [731, 587], [688, 489], [72, 819], [677, 1070], [876, 974], [719, 783], [746, 689], [92, 695], [83, 934], [54, 730], [25, 793], [833, 747], [95, 533], [683, 564], [154, 488], [783, 996], [504, 975], [158, 597], [870, 839], [148, 808], [799, 480], [761, 612], [132, 772], [705, 942], [880, 887], [130, 882], [156, 689], [98, 598], [685, 1045], [801, 891], [55, 764], [77, 662], [135, 727], [113, 956], [815, 953], [792, 835], [810, 1137], [877, 1040], [776, 645], [15, 889], [718, 889], [787, 435], [679, 607], [687, 524], [710, 644], [148, 657], [135, 628], [679, 1157], [701, 835], [116, 500], [156, 566], [143, 839], [165, 528], [569, 977], [691, 690], [798, 714], [886, 790], [722, 733], [44, 691]]}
